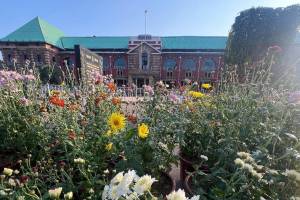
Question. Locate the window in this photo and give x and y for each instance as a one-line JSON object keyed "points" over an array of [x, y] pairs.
{"points": [[53, 59], [169, 74], [207, 74], [189, 64], [188, 74], [39, 58], [105, 63], [120, 63], [25, 57], [169, 64], [119, 72], [145, 61], [209, 65], [9, 58]]}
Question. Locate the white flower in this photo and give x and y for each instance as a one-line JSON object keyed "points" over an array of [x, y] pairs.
{"points": [[248, 167], [197, 197], [79, 161], [105, 192], [21, 198], [273, 172], [68, 196], [256, 175], [143, 184], [243, 155], [293, 174], [132, 196], [117, 179], [12, 182], [176, 195], [239, 162], [204, 157], [113, 193], [55, 193], [7, 171]]}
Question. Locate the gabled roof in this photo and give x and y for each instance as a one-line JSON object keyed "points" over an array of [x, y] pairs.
{"points": [[144, 43], [194, 42], [96, 42], [36, 30]]}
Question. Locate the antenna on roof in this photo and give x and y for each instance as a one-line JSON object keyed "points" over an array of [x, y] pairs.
{"points": [[145, 23]]}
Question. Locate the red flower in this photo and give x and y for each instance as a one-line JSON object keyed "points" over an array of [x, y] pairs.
{"points": [[72, 135], [24, 179], [55, 100]]}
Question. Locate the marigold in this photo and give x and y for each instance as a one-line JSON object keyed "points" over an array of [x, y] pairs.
{"points": [[116, 121], [108, 147], [143, 130], [111, 86], [116, 101], [206, 86], [57, 101]]}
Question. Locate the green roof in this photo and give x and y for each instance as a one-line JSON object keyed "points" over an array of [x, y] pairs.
{"points": [[194, 42], [36, 30], [96, 42]]}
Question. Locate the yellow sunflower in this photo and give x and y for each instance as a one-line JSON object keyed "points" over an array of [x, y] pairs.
{"points": [[143, 130], [116, 121], [206, 86]]}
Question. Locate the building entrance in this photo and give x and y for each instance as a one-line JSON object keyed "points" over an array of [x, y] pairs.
{"points": [[139, 82]]}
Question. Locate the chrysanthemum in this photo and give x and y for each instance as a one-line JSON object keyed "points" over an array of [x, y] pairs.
{"points": [[143, 130], [116, 121], [143, 184], [55, 193]]}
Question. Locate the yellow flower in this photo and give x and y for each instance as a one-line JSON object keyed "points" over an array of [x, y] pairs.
{"points": [[143, 130], [7, 171], [196, 94], [108, 147], [206, 86], [55, 193], [109, 133], [79, 161], [116, 122]]}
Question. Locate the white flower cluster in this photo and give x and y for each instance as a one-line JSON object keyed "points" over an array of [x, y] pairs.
{"points": [[247, 163], [180, 195], [128, 186]]}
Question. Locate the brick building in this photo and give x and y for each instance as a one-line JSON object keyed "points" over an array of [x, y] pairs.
{"points": [[139, 59]]}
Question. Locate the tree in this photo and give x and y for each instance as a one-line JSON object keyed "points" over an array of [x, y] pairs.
{"points": [[257, 29]]}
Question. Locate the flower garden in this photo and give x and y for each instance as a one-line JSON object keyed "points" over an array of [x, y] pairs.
{"points": [[236, 140]]}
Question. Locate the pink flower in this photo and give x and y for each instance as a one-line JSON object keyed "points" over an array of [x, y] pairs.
{"points": [[148, 89], [24, 101], [29, 77], [174, 98]]}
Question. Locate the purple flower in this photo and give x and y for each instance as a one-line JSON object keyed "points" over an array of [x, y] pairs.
{"points": [[148, 89]]}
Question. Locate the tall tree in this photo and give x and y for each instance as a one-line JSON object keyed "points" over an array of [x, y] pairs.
{"points": [[256, 29]]}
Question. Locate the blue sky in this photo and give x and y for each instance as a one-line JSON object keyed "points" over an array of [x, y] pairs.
{"points": [[126, 17]]}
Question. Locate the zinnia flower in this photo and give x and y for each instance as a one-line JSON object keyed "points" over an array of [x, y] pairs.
{"points": [[116, 101], [143, 130], [55, 193], [143, 184], [116, 121], [132, 118], [7, 171], [57, 101]]}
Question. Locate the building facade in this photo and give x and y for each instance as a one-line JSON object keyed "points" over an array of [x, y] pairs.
{"points": [[141, 59]]}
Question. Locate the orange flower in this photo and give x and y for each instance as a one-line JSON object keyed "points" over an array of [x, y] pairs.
{"points": [[72, 135], [116, 101], [112, 86], [57, 101], [132, 118], [102, 96]]}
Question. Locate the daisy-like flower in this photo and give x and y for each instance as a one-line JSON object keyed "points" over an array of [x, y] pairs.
{"points": [[55, 193], [118, 178], [176, 195], [143, 184], [116, 121], [68, 196], [239, 162], [143, 130]]}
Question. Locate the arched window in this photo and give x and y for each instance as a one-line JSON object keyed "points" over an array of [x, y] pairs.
{"points": [[144, 61], [209, 65], [169, 64], [120, 63], [105, 62], [189, 64]]}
